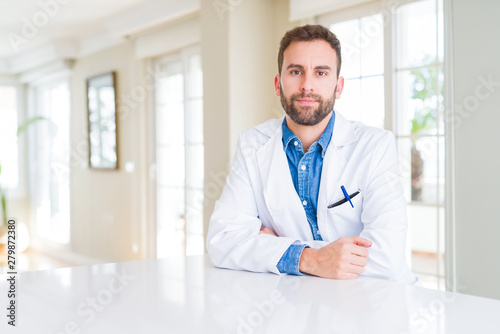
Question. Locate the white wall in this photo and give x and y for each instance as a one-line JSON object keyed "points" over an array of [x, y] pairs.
{"points": [[476, 52], [252, 66], [239, 51], [105, 219], [215, 60]]}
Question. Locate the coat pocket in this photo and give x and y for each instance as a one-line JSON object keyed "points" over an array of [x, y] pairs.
{"points": [[344, 200], [343, 219]]}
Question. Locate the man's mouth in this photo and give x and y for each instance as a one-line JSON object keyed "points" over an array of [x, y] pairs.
{"points": [[306, 101]]}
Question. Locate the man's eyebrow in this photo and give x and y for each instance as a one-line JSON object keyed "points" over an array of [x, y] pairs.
{"points": [[323, 67], [294, 66], [319, 67]]}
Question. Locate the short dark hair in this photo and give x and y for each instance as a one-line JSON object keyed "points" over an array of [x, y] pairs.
{"points": [[309, 33]]}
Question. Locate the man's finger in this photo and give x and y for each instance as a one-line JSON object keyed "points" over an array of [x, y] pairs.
{"points": [[359, 260], [355, 270], [357, 250], [361, 242], [266, 230]]}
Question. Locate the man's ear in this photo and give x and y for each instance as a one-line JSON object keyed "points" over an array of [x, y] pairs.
{"points": [[340, 87], [277, 85]]}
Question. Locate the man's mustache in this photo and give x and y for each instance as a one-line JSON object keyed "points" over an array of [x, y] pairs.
{"points": [[306, 96]]}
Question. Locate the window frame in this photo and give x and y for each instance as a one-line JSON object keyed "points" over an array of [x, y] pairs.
{"points": [[388, 10], [368, 9], [152, 63]]}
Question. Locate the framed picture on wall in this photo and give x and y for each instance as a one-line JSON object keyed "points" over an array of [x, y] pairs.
{"points": [[101, 103]]}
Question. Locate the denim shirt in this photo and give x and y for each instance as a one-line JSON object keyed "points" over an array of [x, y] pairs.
{"points": [[305, 169]]}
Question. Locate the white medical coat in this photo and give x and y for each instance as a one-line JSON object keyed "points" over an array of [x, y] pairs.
{"points": [[260, 193]]}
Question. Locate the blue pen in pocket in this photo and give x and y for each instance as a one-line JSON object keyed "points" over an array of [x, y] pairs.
{"points": [[346, 195]]}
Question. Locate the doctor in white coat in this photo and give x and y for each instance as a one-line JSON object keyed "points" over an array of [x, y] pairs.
{"points": [[260, 216]]}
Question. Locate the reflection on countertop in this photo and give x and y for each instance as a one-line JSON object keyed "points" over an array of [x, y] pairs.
{"points": [[189, 295]]}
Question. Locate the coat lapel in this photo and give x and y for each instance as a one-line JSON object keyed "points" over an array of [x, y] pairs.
{"points": [[280, 196], [333, 166], [279, 193]]}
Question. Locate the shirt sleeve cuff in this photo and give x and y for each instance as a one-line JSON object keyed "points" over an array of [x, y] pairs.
{"points": [[289, 262]]}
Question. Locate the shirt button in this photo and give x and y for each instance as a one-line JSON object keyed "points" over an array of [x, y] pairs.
{"points": [[304, 202], [303, 167], [295, 143]]}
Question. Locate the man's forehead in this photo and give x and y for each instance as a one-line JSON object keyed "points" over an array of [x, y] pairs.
{"points": [[317, 52]]}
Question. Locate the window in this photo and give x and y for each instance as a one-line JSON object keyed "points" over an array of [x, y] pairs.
{"points": [[412, 55], [419, 130], [50, 167], [9, 150], [362, 67], [179, 155]]}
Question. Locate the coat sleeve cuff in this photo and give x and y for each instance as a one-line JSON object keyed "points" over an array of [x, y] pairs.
{"points": [[289, 262]]}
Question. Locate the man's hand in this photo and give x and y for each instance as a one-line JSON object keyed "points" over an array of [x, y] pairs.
{"points": [[344, 258], [267, 230]]}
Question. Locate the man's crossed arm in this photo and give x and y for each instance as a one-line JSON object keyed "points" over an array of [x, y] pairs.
{"points": [[344, 258]]}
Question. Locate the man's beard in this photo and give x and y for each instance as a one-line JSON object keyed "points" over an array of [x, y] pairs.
{"points": [[308, 115]]}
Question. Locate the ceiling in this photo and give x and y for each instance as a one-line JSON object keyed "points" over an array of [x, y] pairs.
{"points": [[32, 31]]}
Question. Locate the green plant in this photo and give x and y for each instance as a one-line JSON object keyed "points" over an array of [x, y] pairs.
{"points": [[424, 83], [22, 128], [427, 94]]}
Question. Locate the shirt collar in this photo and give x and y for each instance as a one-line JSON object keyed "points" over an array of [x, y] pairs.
{"points": [[326, 137], [323, 141], [288, 135]]}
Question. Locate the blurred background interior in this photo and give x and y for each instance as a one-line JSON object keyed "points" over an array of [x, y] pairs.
{"points": [[118, 120]]}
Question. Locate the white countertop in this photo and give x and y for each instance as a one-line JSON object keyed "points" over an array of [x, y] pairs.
{"points": [[189, 295]]}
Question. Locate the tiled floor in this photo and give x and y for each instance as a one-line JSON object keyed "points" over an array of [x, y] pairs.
{"points": [[426, 266]]}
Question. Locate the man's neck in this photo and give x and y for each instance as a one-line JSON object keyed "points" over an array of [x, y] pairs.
{"points": [[308, 134]]}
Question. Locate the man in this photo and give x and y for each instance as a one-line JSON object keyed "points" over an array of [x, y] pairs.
{"points": [[312, 193]]}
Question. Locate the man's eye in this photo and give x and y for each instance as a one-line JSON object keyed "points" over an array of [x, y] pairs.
{"points": [[322, 73], [296, 72]]}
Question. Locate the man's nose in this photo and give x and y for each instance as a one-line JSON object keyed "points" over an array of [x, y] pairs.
{"points": [[307, 84]]}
